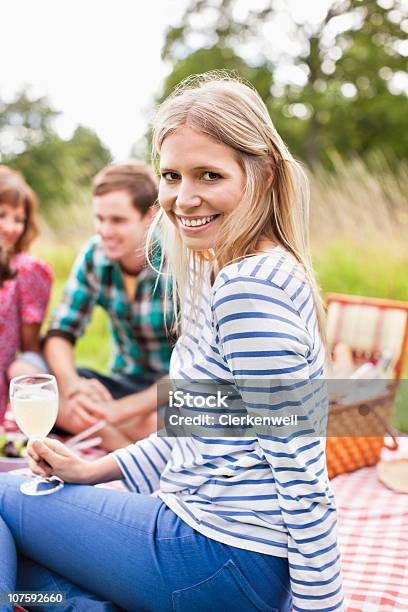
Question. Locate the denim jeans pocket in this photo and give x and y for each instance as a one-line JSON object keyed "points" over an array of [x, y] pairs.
{"points": [[225, 591]]}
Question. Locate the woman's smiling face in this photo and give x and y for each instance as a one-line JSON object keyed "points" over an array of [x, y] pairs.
{"points": [[201, 181], [12, 225]]}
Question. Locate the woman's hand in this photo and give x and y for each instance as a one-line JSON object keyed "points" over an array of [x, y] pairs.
{"points": [[140, 406], [50, 457]]}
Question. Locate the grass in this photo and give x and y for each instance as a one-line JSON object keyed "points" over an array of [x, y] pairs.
{"points": [[92, 350], [401, 406], [359, 224], [344, 267]]}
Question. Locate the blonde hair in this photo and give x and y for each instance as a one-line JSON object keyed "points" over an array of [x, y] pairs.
{"points": [[275, 203]]}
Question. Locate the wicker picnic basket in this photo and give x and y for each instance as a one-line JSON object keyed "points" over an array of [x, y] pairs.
{"points": [[370, 327]]}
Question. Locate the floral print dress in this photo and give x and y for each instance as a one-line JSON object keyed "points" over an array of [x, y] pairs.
{"points": [[24, 299]]}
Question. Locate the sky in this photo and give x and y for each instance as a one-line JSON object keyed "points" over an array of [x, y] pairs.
{"points": [[98, 61]]}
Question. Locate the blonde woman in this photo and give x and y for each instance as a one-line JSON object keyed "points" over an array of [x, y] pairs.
{"points": [[237, 523]]}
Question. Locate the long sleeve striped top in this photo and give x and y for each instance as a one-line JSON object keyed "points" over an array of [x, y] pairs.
{"points": [[265, 493]]}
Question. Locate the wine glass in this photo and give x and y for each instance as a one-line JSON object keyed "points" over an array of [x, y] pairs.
{"points": [[34, 400]]}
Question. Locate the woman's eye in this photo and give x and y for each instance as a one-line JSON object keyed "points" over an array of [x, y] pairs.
{"points": [[169, 176], [19, 221], [211, 176]]}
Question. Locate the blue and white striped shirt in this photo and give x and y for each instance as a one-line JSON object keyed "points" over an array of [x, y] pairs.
{"points": [[264, 493]]}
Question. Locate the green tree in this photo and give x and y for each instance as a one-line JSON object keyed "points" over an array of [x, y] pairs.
{"points": [[349, 66], [55, 168], [24, 122], [48, 168], [218, 58], [89, 154]]}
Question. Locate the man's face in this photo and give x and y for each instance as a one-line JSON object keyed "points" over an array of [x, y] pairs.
{"points": [[121, 227]]}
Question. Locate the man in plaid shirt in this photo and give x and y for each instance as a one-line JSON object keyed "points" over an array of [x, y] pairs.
{"points": [[111, 272]]}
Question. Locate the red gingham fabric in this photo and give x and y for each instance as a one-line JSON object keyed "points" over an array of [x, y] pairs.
{"points": [[373, 540], [373, 537]]}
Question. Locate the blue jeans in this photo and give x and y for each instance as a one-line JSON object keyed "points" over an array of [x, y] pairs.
{"points": [[110, 550]]}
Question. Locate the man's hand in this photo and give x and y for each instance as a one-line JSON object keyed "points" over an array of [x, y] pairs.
{"points": [[84, 400], [91, 387], [50, 457], [81, 412]]}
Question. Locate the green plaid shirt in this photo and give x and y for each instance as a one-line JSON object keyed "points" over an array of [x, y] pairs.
{"points": [[140, 342]]}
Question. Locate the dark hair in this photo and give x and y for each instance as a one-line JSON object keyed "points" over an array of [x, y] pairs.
{"points": [[15, 192], [135, 177], [6, 273]]}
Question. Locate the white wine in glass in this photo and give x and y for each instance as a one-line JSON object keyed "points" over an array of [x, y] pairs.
{"points": [[34, 400]]}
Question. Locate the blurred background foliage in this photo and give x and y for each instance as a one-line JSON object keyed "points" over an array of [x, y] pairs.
{"points": [[336, 87], [339, 84], [57, 169], [337, 93]]}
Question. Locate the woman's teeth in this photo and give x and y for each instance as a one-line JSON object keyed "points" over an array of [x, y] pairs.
{"points": [[196, 222]]}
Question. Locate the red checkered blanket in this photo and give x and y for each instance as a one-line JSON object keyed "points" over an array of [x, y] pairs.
{"points": [[373, 538]]}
